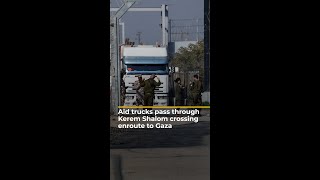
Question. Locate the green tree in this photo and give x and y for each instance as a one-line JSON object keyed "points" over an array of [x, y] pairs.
{"points": [[190, 58]]}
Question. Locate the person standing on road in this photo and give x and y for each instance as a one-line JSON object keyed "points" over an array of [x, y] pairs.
{"points": [[196, 89], [122, 89], [149, 87], [178, 92], [139, 91]]}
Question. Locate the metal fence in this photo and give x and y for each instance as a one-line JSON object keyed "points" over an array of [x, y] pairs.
{"points": [[186, 30]]}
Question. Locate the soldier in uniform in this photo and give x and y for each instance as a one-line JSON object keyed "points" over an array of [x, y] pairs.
{"points": [[122, 89], [196, 89], [178, 90], [149, 87], [139, 91]]}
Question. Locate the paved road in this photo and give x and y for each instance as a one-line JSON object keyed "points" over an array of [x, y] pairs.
{"points": [[180, 153]]}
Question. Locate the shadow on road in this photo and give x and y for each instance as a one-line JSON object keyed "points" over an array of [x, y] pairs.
{"points": [[178, 136]]}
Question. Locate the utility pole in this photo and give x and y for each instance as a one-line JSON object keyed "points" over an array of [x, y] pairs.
{"points": [[197, 29], [115, 60], [139, 35]]}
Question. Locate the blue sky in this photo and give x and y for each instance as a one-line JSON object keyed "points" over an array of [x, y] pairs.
{"points": [[148, 22]]}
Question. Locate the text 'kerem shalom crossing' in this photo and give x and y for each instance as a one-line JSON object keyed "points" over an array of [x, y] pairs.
{"points": [[156, 118]]}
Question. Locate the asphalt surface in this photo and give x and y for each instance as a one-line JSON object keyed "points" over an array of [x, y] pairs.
{"points": [[182, 152]]}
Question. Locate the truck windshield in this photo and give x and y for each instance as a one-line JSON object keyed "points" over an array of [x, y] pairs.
{"points": [[147, 67]]}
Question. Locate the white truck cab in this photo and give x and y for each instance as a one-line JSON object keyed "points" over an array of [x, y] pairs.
{"points": [[145, 60]]}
